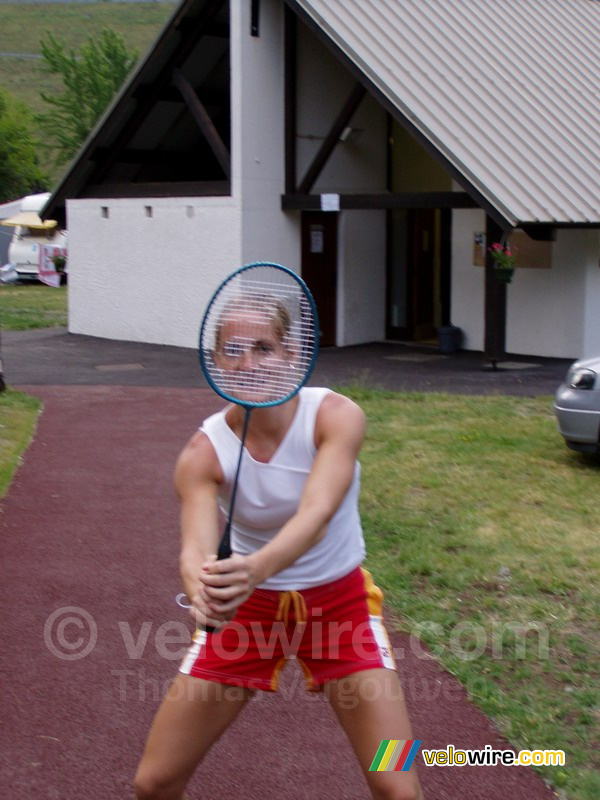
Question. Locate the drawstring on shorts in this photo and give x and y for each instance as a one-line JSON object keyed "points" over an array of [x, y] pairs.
{"points": [[286, 599]]}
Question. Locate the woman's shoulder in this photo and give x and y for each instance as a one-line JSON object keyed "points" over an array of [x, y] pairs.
{"points": [[198, 461], [334, 402], [339, 413], [313, 393], [321, 394]]}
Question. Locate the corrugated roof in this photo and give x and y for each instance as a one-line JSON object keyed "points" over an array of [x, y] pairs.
{"points": [[508, 91]]}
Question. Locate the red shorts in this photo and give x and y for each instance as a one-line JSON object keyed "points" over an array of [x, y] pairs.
{"points": [[332, 630]]}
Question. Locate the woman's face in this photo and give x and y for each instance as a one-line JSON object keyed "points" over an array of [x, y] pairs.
{"points": [[255, 365]]}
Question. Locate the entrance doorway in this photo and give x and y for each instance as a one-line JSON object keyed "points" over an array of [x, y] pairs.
{"points": [[418, 285], [319, 268]]}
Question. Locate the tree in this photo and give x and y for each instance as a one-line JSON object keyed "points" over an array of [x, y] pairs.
{"points": [[20, 173], [90, 79]]}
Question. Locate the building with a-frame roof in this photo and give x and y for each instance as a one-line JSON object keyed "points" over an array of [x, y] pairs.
{"points": [[372, 145]]}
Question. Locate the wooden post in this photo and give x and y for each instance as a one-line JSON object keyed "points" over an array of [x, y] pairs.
{"points": [[290, 57], [2, 381], [495, 301], [254, 18]]}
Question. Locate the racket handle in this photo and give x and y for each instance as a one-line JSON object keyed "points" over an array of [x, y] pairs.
{"points": [[224, 551]]}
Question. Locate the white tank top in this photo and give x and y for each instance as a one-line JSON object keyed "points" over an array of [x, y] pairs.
{"points": [[268, 495]]}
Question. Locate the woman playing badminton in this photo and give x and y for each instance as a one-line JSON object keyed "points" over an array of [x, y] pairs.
{"points": [[281, 462]]}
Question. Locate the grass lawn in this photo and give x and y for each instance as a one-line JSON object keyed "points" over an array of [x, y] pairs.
{"points": [[32, 305], [480, 529], [18, 415], [23, 307], [25, 24]]}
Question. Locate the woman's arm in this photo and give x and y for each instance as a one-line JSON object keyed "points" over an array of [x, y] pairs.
{"points": [[339, 433], [197, 478]]}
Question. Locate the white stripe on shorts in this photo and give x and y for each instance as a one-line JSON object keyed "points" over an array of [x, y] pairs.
{"points": [[383, 643], [193, 653]]}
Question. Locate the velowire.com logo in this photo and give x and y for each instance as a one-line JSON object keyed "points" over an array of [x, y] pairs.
{"points": [[395, 755]]}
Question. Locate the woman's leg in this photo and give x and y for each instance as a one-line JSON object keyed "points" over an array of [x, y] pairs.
{"points": [[370, 707], [190, 719]]}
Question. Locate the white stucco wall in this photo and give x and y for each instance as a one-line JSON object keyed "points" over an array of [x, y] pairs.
{"points": [[361, 277], [267, 234], [146, 278], [467, 288], [591, 303], [545, 307]]}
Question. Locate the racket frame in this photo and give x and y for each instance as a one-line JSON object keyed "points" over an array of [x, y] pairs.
{"points": [[201, 352]]}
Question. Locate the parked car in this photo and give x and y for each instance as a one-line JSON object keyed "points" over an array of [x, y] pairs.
{"points": [[577, 406]]}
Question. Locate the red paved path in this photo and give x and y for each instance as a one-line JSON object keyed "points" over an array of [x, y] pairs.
{"points": [[90, 522]]}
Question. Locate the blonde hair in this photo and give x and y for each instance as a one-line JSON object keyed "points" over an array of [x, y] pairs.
{"points": [[264, 306]]}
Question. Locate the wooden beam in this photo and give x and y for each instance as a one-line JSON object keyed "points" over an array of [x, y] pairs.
{"points": [[540, 233], [290, 99], [169, 94], [131, 156], [255, 18], [384, 200], [203, 120], [218, 30], [173, 189], [340, 122], [494, 301]]}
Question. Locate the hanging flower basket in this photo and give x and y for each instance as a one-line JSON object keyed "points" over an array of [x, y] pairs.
{"points": [[504, 274], [504, 261]]}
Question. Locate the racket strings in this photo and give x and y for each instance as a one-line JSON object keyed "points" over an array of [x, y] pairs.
{"points": [[259, 339]]}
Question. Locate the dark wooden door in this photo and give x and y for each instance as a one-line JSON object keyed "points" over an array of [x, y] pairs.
{"points": [[422, 265], [319, 268]]}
